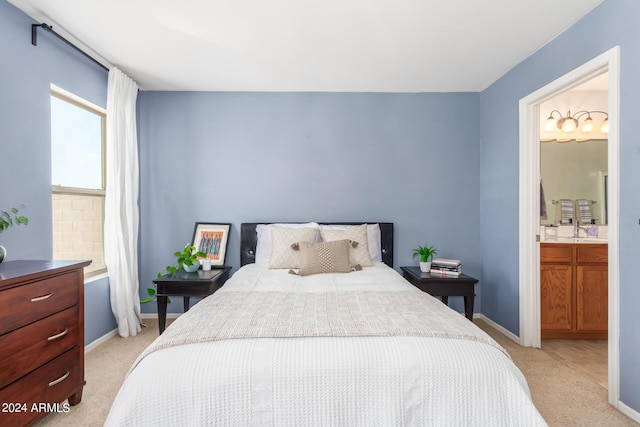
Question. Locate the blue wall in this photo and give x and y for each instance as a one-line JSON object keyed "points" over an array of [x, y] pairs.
{"points": [[443, 167], [25, 140], [615, 22], [412, 159]]}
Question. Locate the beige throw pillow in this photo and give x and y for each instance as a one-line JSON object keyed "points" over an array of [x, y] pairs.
{"points": [[324, 257], [359, 255], [282, 254]]}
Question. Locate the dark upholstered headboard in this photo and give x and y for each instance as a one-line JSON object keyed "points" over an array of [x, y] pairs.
{"points": [[249, 239]]}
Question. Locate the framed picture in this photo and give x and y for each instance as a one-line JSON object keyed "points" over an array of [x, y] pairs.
{"points": [[212, 239]]}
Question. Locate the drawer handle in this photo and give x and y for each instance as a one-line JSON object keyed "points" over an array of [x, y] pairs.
{"points": [[36, 299], [59, 380], [60, 335]]}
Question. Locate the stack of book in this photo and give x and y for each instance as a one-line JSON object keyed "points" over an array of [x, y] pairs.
{"points": [[447, 267]]}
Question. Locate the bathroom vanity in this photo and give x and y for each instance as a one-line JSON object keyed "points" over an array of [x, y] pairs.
{"points": [[574, 289]]}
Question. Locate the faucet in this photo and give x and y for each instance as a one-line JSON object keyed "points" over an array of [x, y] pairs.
{"points": [[576, 229]]}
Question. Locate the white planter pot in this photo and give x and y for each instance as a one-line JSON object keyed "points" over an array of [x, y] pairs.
{"points": [[191, 268], [425, 267]]}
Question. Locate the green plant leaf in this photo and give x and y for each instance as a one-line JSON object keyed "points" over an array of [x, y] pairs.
{"points": [[425, 252], [9, 219], [145, 300]]}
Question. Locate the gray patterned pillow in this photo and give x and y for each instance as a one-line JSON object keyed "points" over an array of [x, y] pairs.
{"points": [[359, 254], [324, 257], [282, 254]]}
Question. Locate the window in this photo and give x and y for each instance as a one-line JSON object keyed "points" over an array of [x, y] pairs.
{"points": [[77, 179]]}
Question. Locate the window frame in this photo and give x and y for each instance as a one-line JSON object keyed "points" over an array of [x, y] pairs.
{"points": [[64, 95]]}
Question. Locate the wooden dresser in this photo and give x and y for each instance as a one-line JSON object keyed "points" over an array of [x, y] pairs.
{"points": [[41, 339], [574, 290]]}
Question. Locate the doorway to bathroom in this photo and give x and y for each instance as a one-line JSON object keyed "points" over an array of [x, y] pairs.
{"points": [[530, 204], [573, 228]]}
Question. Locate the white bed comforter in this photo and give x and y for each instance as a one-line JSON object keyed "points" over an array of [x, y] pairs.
{"points": [[325, 381]]}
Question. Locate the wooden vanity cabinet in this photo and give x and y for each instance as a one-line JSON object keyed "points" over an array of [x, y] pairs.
{"points": [[556, 288], [592, 290], [41, 338], [574, 290]]}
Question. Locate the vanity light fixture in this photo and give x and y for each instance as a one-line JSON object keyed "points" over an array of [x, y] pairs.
{"points": [[571, 122]]}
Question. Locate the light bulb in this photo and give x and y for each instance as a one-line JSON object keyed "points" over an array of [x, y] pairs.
{"points": [[587, 126], [569, 125], [550, 124], [604, 128]]}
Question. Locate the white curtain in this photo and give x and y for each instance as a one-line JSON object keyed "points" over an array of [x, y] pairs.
{"points": [[121, 202]]}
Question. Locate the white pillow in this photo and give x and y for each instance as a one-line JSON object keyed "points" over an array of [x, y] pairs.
{"points": [[359, 255], [264, 243], [283, 255], [374, 239]]}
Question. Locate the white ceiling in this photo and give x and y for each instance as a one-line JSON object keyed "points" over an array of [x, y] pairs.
{"points": [[311, 45]]}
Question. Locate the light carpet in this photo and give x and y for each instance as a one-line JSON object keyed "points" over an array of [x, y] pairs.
{"points": [[563, 396]]}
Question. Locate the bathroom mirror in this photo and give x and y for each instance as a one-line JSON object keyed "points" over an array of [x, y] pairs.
{"points": [[573, 162], [574, 170]]}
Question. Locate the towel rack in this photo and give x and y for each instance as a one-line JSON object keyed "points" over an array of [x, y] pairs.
{"points": [[555, 202]]}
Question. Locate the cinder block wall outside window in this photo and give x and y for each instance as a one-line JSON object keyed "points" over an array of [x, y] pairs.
{"points": [[77, 229]]}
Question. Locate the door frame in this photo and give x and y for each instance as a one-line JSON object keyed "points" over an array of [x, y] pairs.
{"points": [[529, 206]]}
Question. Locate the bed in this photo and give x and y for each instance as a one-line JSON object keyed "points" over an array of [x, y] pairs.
{"points": [[279, 347]]}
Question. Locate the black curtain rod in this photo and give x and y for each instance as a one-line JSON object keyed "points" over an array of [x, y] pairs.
{"points": [[49, 28]]}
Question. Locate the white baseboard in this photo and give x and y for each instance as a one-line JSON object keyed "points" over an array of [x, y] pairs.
{"points": [[507, 333], [93, 344], [631, 413], [155, 315]]}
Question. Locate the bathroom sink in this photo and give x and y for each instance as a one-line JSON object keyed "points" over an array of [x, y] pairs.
{"points": [[590, 240], [603, 240]]}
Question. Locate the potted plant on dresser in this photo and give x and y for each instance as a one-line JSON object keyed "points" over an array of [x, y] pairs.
{"points": [[8, 219], [426, 254]]}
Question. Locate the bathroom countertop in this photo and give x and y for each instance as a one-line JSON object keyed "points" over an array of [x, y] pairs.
{"points": [[581, 240], [565, 233]]}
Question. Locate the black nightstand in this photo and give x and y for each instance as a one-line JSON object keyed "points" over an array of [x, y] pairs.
{"points": [[197, 284], [443, 286]]}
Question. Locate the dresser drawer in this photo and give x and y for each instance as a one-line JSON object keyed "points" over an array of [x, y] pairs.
{"points": [[52, 383], [27, 348], [27, 303], [556, 252]]}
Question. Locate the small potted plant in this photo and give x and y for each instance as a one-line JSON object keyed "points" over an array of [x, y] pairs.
{"points": [[187, 260], [426, 254], [8, 219]]}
